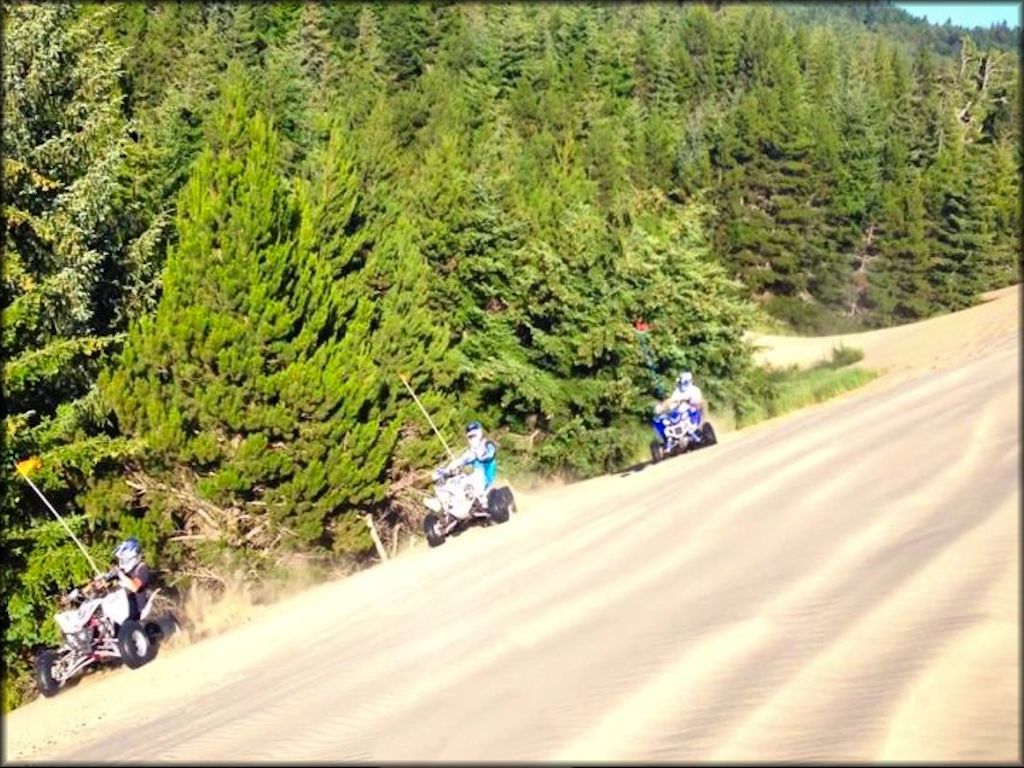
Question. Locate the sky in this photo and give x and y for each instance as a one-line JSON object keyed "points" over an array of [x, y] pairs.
{"points": [[966, 14]]}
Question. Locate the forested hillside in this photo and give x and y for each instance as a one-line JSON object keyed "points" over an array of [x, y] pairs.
{"points": [[231, 228]]}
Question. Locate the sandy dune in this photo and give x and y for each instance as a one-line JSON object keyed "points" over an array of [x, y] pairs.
{"points": [[838, 584], [906, 349]]}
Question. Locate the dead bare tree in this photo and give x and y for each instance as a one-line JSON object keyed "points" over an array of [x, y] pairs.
{"points": [[860, 274], [983, 77]]}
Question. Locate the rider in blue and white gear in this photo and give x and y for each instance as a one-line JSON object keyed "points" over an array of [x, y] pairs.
{"points": [[685, 395], [481, 455], [686, 399]]}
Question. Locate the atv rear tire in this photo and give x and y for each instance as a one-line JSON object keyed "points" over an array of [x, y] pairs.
{"points": [[45, 681], [430, 527], [135, 644], [709, 434], [500, 504], [657, 452]]}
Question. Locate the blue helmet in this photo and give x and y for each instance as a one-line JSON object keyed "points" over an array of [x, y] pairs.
{"points": [[128, 554], [474, 431]]}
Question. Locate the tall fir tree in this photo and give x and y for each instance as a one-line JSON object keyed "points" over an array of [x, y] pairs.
{"points": [[66, 291], [196, 378]]}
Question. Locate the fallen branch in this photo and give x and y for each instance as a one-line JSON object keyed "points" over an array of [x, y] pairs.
{"points": [[204, 574], [191, 537], [249, 536], [193, 503], [376, 539]]}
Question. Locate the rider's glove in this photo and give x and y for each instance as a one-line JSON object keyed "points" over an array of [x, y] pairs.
{"points": [[125, 581]]}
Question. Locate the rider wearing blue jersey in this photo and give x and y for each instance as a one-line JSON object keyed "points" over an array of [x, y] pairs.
{"points": [[481, 455]]}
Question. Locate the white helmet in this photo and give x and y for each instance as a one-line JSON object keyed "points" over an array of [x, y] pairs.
{"points": [[685, 379], [474, 433], [128, 554]]}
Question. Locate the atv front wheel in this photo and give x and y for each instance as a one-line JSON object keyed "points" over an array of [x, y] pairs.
{"points": [[708, 433], [47, 684], [657, 452], [135, 645], [500, 504], [432, 528]]}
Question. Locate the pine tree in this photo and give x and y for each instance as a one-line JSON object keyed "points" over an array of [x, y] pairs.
{"points": [[67, 276], [509, 27], [340, 445], [196, 380], [855, 199], [408, 340], [699, 36], [64, 296], [930, 128], [897, 288], [302, 74], [960, 224], [366, 68], [997, 173], [408, 30]]}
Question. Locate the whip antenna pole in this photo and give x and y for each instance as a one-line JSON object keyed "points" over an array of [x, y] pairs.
{"points": [[59, 518], [642, 328], [427, 415]]}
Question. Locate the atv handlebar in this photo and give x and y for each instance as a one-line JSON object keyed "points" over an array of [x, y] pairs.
{"points": [[443, 473], [92, 588]]}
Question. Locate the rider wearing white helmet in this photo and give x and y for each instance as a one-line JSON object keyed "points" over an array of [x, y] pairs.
{"points": [[481, 455], [131, 573], [685, 394]]}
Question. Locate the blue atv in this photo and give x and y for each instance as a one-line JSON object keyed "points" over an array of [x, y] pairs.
{"points": [[679, 432]]}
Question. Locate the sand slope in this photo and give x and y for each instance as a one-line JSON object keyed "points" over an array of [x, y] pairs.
{"points": [[907, 349], [838, 584]]}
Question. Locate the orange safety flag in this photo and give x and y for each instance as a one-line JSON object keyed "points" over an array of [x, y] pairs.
{"points": [[29, 464]]}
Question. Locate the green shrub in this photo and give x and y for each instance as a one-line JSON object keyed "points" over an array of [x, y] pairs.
{"points": [[843, 356], [773, 392]]}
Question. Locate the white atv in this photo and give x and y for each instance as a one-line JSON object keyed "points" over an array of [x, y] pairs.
{"points": [[96, 628], [454, 505]]}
